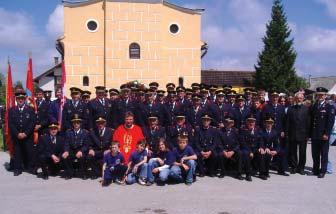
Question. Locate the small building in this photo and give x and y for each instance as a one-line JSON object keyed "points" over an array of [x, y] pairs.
{"points": [[326, 82], [237, 79], [50, 79], [110, 42]]}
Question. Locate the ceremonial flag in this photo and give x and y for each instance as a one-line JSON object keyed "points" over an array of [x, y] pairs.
{"points": [[63, 99], [10, 102], [30, 91]]}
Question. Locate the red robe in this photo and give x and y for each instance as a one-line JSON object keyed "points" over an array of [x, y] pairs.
{"points": [[128, 138]]}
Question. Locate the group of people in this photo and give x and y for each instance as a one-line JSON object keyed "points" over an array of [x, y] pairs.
{"points": [[149, 135]]}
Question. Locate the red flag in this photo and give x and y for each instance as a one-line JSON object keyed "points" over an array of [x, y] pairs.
{"points": [[63, 99], [10, 102], [30, 91]]}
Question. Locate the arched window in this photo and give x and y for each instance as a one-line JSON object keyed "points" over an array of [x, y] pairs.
{"points": [[85, 81], [134, 51]]}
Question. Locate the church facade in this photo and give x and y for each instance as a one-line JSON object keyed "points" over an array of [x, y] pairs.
{"points": [[110, 42]]}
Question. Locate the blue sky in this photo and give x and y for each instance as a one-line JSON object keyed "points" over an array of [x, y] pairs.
{"points": [[232, 28]]}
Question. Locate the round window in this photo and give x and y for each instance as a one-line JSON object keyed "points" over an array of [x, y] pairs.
{"points": [[92, 25], [174, 28]]}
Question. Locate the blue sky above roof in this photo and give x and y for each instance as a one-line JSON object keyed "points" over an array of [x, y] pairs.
{"points": [[233, 29]]}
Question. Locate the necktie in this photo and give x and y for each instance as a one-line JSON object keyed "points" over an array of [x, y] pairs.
{"points": [[101, 132], [102, 102], [53, 139]]}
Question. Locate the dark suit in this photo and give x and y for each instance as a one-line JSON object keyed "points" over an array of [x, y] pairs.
{"points": [[100, 108], [100, 142], [47, 146], [22, 122], [194, 116], [174, 131], [297, 130], [323, 118], [69, 110], [144, 110], [121, 106], [153, 136], [220, 112], [229, 142], [271, 142], [75, 142], [206, 140], [42, 116], [240, 116]]}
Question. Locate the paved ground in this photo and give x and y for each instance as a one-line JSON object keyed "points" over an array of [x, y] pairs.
{"points": [[294, 194]]}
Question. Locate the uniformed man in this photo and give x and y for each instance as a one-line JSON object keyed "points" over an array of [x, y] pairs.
{"points": [[205, 101], [101, 138], [195, 113], [229, 149], [153, 132], [50, 151], [271, 149], [251, 141], [256, 110], [86, 96], [77, 142], [219, 109], [100, 107], [47, 96], [179, 127], [160, 96], [54, 108], [22, 120], [181, 93], [213, 94], [122, 105], [189, 93], [240, 112], [206, 141], [42, 119], [231, 98], [172, 106], [170, 87], [248, 96], [72, 107], [323, 118], [196, 88], [114, 94]]}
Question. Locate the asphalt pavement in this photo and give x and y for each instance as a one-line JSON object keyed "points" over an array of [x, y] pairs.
{"points": [[294, 194]]}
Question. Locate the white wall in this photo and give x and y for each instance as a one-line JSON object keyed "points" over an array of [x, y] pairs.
{"points": [[48, 83]]}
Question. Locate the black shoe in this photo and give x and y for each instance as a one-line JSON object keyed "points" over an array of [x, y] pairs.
{"points": [[68, 177], [201, 175], [301, 172], [211, 175], [263, 177], [283, 173], [248, 178], [17, 172], [106, 183], [292, 171], [239, 177], [267, 175], [45, 177], [221, 175], [94, 177], [149, 183], [321, 175]]}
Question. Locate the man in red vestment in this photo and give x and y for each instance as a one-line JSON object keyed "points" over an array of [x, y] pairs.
{"points": [[128, 135]]}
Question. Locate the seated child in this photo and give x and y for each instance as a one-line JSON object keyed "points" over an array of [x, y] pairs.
{"points": [[183, 169], [114, 169], [137, 165]]}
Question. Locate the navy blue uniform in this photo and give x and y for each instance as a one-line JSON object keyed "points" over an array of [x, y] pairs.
{"points": [[100, 108], [100, 142], [220, 112], [240, 116], [120, 108], [205, 140], [250, 142], [175, 130], [144, 110], [153, 136], [323, 118], [47, 146], [194, 116], [277, 112], [171, 110], [22, 121], [54, 109], [75, 142], [271, 142], [229, 143], [69, 110], [42, 117]]}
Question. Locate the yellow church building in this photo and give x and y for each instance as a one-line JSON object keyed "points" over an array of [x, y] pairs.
{"points": [[110, 42]]}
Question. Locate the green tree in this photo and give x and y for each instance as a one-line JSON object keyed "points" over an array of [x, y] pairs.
{"points": [[275, 68]]}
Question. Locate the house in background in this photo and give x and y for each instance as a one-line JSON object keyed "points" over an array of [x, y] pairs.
{"points": [[110, 42], [50, 79], [326, 82]]}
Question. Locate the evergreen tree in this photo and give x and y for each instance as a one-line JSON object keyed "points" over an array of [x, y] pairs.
{"points": [[275, 68]]}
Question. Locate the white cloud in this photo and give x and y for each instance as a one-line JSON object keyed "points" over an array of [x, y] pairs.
{"points": [[55, 23], [20, 35], [318, 40], [331, 6]]}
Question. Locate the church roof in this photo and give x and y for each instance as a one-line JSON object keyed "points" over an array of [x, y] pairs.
{"points": [[76, 3]]}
